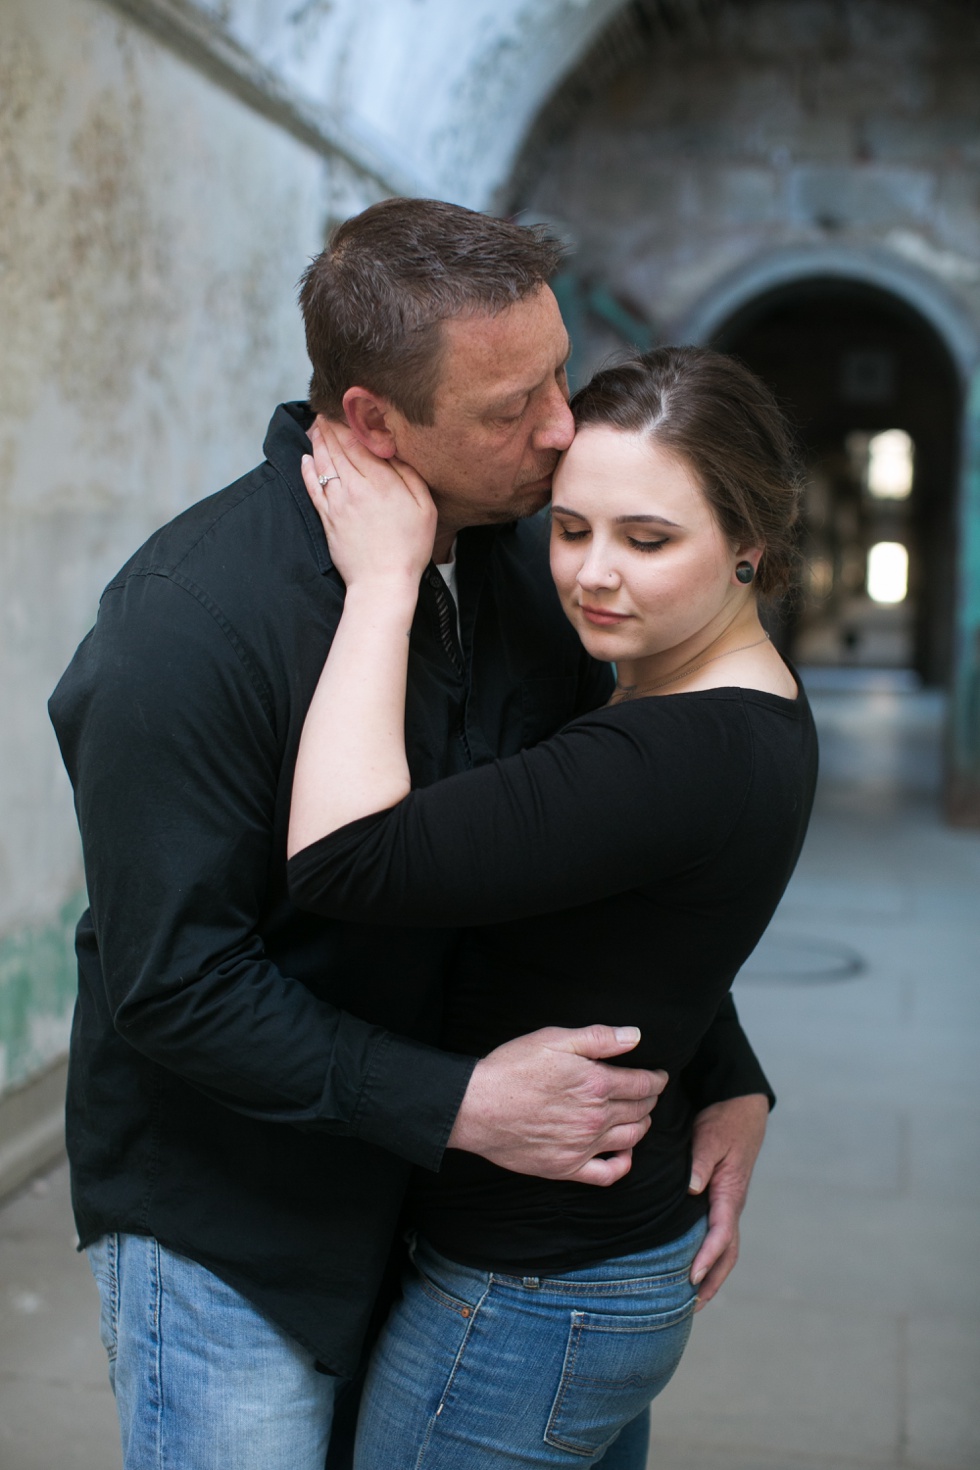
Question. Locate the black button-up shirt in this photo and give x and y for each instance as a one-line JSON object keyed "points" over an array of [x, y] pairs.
{"points": [[248, 1083]]}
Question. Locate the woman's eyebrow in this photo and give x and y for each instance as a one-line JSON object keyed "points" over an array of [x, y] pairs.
{"points": [[632, 520], [563, 510]]}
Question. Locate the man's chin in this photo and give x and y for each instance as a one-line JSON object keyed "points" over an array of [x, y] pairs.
{"points": [[531, 503]]}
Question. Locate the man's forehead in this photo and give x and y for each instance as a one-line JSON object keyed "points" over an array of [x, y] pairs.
{"points": [[491, 359]]}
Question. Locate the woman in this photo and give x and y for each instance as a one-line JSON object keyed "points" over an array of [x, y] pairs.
{"points": [[637, 857]]}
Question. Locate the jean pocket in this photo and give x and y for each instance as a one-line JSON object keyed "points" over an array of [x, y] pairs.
{"points": [[438, 1292], [614, 1365]]}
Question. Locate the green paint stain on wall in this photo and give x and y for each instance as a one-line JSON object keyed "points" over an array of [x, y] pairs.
{"points": [[38, 984]]}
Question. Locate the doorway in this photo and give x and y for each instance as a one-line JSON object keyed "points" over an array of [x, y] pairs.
{"points": [[875, 397]]}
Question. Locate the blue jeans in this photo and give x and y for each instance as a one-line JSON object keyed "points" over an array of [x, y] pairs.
{"points": [[203, 1381], [476, 1370]]}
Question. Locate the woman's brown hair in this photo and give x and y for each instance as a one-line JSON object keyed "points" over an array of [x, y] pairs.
{"points": [[721, 419]]}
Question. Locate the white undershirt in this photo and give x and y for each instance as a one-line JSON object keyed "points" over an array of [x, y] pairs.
{"points": [[447, 570]]}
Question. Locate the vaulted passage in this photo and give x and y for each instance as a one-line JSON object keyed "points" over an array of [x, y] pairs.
{"points": [[875, 397]]}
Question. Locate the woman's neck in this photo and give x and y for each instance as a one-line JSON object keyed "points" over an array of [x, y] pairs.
{"points": [[676, 667]]}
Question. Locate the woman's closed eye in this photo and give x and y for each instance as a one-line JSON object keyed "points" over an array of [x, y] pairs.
{"points": [[647, 545], [567, 534]]}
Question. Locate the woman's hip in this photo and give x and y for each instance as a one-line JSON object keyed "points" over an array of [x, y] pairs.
{"points": [[479, 1368]]}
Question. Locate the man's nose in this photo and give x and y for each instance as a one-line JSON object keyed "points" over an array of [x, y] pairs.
{"points": [[557, 427]]}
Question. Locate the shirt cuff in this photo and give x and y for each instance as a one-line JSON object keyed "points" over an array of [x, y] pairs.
{"points": [[410, 1098]]}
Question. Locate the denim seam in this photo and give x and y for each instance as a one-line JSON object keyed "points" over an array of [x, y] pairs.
{"points": [[626, 1324], [457, 1361], [157, 1370], [625, 1286], [579, 1327], [567, 1369], [112, 1263]]}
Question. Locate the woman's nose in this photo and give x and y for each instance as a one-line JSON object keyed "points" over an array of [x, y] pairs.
{"points": [[597, 571]]}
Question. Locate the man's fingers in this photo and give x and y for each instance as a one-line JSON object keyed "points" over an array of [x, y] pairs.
{"points": [[596, 1042], [623, 1135], [633, 1085], [605, 1170]]}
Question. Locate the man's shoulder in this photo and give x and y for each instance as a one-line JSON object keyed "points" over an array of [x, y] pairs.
{"points": [[221, 523], [251, 534]]}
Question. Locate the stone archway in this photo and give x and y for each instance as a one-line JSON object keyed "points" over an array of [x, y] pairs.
{"points": [[946, 640], [859, 345]]}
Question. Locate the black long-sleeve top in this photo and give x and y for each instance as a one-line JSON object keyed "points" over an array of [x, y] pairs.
{"points": [[630, 865], [247, 1083]]}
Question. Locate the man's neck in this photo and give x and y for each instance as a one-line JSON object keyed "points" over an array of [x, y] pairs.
{"points": [[442, 550]]}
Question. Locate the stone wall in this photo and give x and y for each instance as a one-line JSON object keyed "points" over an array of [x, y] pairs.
{"points": [[166, 169], [152, 229], [778, 123]]}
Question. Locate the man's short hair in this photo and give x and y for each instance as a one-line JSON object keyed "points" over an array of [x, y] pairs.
{"points": [[374, 300]]}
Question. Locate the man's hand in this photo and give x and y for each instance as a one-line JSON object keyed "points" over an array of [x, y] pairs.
{"points": [[546, 1104], [727, 1140]]}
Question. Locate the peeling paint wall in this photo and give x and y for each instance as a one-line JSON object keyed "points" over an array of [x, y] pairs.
{"points": [[151, 233]]}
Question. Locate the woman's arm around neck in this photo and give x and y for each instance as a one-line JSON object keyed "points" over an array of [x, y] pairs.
{"points": [[380, 524]]}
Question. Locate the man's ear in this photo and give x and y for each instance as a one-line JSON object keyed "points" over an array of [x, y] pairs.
{"points": [[368, 415]]}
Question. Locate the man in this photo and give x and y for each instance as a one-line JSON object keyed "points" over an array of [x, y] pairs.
{"points": [[249, 1087]]}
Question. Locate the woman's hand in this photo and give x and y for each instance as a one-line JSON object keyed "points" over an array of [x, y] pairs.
{"points": [[378, 514]]}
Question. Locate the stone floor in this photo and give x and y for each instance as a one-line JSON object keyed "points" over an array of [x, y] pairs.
{"points": [[849, 1335]]}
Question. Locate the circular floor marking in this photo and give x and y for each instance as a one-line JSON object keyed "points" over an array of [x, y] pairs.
{"points": [[791, 957]]}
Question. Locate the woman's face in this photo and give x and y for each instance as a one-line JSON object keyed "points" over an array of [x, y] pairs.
{"points": [[640, 563]]}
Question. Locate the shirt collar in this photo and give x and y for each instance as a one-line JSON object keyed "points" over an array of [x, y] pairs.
{"points": [[285, 444]]}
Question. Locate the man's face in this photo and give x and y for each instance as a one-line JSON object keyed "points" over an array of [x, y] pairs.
{"points": [[501, 415]]}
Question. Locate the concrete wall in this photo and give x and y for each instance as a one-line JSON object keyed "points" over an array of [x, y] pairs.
{"points": [[166, 169], [151, 232]]}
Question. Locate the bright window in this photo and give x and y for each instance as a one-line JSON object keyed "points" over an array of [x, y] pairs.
{"points": [[890, 470], [888, 572]]}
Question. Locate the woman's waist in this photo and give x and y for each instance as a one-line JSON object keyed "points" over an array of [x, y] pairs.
{"points": [[494, 996], [486, 1217]]}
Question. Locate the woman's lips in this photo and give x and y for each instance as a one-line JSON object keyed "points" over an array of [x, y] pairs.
{"points": [[600, 618]]}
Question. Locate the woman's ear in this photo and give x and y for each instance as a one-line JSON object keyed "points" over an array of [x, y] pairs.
{"points": [[746, 567], [368, 415]]}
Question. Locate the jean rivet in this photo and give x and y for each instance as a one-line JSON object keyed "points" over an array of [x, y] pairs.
{"points": [[465, 1312]]}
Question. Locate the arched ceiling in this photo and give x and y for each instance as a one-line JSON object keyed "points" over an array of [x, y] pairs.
{"points": [[459, 99], [427, 96]]}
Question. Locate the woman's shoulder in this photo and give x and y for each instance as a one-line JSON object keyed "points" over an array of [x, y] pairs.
{"points": [[696, 725]]}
